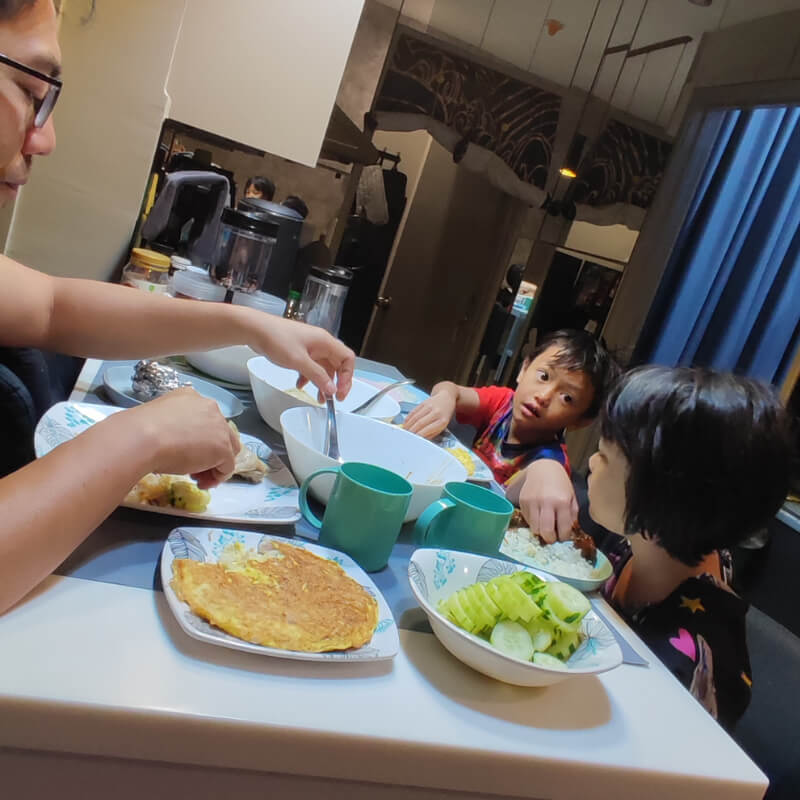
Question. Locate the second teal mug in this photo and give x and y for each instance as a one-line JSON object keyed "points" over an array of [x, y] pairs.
{"points": [[466, 517], [364, 514]]}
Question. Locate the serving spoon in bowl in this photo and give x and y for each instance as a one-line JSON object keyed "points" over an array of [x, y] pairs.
{"points": [[331, 442], [377, 396]]}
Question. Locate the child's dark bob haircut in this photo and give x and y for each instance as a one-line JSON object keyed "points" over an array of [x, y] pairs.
{"points": [[709, 456], [581, 352]]}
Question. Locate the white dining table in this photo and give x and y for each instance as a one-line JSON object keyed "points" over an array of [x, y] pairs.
{"points": [[103, 695]]}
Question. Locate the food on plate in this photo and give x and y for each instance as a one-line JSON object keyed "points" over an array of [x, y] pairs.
{"points": [[286, 597], [164, 490], [248, 465], [522, 616], [463, 455], [520, 540], [151, 379], [302, 394]]}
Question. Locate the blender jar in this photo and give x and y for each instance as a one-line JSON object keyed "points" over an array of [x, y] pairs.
{"points": [[323, 297], [243, 250]]}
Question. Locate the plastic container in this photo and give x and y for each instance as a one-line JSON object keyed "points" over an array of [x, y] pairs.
{"points": [[323, 297], [195, 284], [147, 270], [260, 301], [178, 263], [244, 247]]}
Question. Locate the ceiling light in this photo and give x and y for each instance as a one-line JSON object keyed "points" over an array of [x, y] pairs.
{"points": [[569, 169]]}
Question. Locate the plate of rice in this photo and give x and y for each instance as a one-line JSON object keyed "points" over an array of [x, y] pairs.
{"points": [[561, 559]]}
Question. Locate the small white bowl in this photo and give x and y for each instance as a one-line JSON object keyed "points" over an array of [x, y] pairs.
{"points": [[224, 363], [436, 574], [423, 464], [271, 382]]}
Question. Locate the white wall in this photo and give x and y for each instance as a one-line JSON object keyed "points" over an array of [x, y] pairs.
{"points": [[614, 242], [286, 58], [76, 215]]}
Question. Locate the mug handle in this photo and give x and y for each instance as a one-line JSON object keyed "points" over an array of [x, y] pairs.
{"points": [[303, 497], [425, 519]]}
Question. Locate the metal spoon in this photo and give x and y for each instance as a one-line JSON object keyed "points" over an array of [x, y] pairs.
{"points": [[331, 436], [377, 396]]}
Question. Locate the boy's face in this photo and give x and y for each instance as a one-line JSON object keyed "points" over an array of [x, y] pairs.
{"points": [[608, 476], [549, 398], [30, 38], [251, 193]]}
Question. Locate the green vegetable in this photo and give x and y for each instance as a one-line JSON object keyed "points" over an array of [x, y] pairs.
{"points": [[512, 639]]}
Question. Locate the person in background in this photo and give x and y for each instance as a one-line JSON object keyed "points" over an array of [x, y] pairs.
{"points": [[506, 295], [690, 462], [50, 505], [259, 188], [520, 434], [296, 204]]}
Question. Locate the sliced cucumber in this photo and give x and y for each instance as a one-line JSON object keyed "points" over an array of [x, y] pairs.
{"points": [[512, 639], [541, 635], [459, 614], [526, 581], [513, 602], [564, 603], [565, 645], [545, 660], [482, 596]]}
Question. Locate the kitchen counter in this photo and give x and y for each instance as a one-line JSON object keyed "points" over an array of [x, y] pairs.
{"points": [[102, 694]]}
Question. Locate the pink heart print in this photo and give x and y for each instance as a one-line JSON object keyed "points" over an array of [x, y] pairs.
{"points": [[684, 643]]}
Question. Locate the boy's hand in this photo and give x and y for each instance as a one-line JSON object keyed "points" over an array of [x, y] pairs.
{"points": [[431, 416], [547, 500]]}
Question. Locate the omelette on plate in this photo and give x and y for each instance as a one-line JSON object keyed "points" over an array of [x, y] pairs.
{"points": [[287, 598]]}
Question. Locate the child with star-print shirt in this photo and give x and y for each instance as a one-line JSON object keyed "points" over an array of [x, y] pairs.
{"points": [[689, 463]]}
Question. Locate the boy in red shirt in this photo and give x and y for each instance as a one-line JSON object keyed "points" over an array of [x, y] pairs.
{"points": [[520, 434]]}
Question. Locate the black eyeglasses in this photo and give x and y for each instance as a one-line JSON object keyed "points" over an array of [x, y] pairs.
{"points": [[42, 107]]}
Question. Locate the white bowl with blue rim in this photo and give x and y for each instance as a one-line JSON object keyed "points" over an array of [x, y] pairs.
{"points": [[435, 574]]}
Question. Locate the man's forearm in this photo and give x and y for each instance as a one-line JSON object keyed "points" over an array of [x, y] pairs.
{"points": [[135, 325]]}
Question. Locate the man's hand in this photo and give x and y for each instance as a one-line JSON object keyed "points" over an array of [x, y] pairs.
{"points": [[431, 416], [185, 433], [312, 351], [547, 500]]}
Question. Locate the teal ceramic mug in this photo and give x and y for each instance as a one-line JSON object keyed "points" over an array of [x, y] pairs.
{"points": [[466, 517], [365, 511]]}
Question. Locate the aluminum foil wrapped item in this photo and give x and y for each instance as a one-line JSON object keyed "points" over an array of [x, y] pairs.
{"points": [[151, 379]]}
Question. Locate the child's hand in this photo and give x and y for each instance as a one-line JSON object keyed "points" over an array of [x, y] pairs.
{"points": [[547, 500], [431, 416]]}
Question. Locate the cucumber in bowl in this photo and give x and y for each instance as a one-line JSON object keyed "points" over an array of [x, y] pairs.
{"points": [[521, 615]]}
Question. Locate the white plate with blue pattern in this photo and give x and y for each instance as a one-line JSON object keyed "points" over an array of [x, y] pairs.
{"points": [[273, 500], [436, 574], [206, 544]]}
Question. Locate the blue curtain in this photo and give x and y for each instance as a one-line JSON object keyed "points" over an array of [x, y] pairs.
{"points": [[730, 295]]}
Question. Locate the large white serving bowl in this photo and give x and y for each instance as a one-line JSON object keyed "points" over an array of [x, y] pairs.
{"points": [[226, 363], [423, 464], [436, 574], [271, 382]]}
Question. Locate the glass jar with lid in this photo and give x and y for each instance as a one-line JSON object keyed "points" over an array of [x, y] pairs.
{"points": [[147, 270], [245, 243], [324, 293]]}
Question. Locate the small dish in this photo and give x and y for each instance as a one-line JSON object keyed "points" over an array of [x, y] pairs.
{"points": [[436, 574], [117, 382], [599, 575], [206, 544], [272, 501], [480, 471]]}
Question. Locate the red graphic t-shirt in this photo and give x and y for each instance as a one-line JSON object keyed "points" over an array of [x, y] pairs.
{"points": [[492, 418]]}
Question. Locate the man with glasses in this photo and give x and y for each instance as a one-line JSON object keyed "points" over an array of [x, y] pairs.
{"points": [[48, 506]]}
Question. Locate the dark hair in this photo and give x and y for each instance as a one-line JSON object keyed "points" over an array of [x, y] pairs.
{"points": [[10, 8], [296, 204], [709, 456], [514, 276], [579, 351], [261, 184]]}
